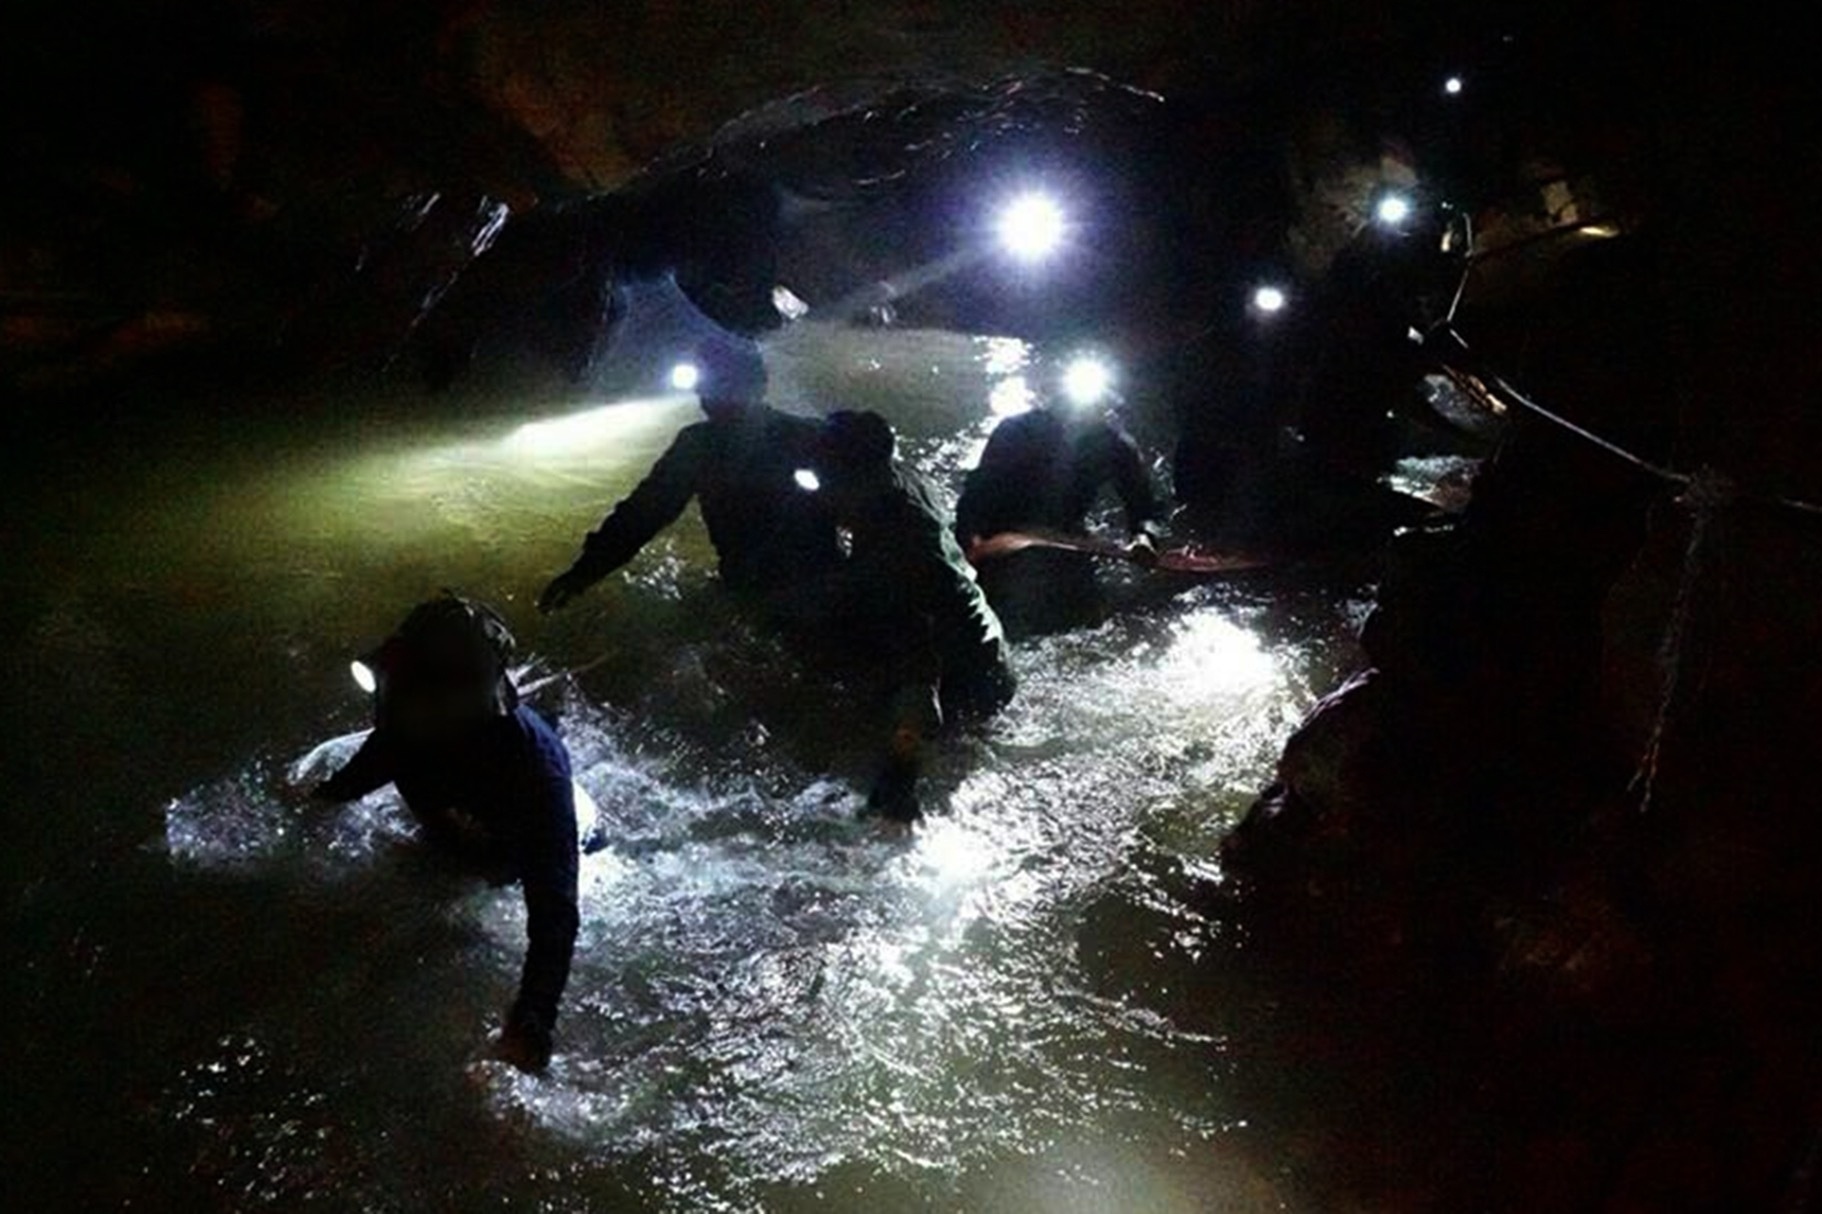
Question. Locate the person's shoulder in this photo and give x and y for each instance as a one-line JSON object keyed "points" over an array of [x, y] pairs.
{"points": [[914, 494], [787, 421], [530, 722], [1029, 424], [699, 431], [1103, 432], [528, 729]]}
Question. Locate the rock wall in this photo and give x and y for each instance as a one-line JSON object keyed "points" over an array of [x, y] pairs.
{"points": [[211, 169], [1553, 858]]}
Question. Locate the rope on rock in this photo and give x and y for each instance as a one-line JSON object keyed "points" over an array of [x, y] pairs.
{"points": [[1708, 493], [1705, 493], [1505, 391]]}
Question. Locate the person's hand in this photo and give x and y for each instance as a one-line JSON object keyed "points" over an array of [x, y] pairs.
{"points": [[524, 1043], [894, 793], [564, 587], [1142, 550]]}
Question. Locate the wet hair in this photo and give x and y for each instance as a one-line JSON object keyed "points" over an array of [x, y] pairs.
{"points": [[855, 440]]}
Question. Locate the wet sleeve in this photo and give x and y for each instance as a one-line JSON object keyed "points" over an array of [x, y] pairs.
{"points": [[547, 875], [968, 511], [916, 674], [373, 766], [991, 490], [1132, 480], [648, 509], [917, 666]]}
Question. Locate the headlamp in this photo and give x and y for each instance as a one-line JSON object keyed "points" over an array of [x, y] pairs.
{"points": [[1269, 299], [1392, 210], [1087, 380], [1031, 227]]}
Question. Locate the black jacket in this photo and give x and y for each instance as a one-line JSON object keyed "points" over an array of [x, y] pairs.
{"points": [[1041, 470], [766, 530], [502, 797], [909, 581]]}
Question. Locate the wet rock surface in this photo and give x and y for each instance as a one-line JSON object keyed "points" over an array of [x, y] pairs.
{"points": [[1539, 865]]}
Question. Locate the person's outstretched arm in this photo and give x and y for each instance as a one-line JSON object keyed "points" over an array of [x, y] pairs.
{"points": [[373, 766], [640, 516], [1132, 480], [547, 874]]}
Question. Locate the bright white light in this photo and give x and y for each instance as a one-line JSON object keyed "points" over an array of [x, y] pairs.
{"points": [[807, 480], [1010, 397], [1393, 209], [363, 676], [1269, 299], [1087, 380], [787, 304], [587, 812], [685, 377], [1212, 657], [1452, 85], [1031, 227], [1003, 355], [951, 855]]}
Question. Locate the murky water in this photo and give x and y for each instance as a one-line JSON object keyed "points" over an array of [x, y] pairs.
{"points": [[232, 998]]}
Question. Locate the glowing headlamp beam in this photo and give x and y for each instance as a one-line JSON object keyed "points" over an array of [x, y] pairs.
{"points": [[364, 677], [685, 377]]}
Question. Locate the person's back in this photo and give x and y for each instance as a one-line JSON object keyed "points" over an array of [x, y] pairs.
{"points": [[486, 778], [912, 595], [740, 465], [767, 529], [1044, 470], [908, 575]]}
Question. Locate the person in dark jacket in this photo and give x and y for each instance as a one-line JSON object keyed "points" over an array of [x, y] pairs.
{"points": [[487, 780], [772, 537], [912, 596], [1043, 470]]}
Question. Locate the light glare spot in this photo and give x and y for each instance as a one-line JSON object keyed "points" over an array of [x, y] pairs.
{"points": [[1087, 380], [363, 676], [1212, 656], [1393, 209], [950, 854], [787, 303], [1269, 299], [1003, 355], [685, 377], [807, 480], [1452, 85], [1010, 397], [1031, 227]]}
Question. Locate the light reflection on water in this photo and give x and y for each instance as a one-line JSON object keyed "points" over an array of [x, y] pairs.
{"points": [[773, 1005], [787, 999]]}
